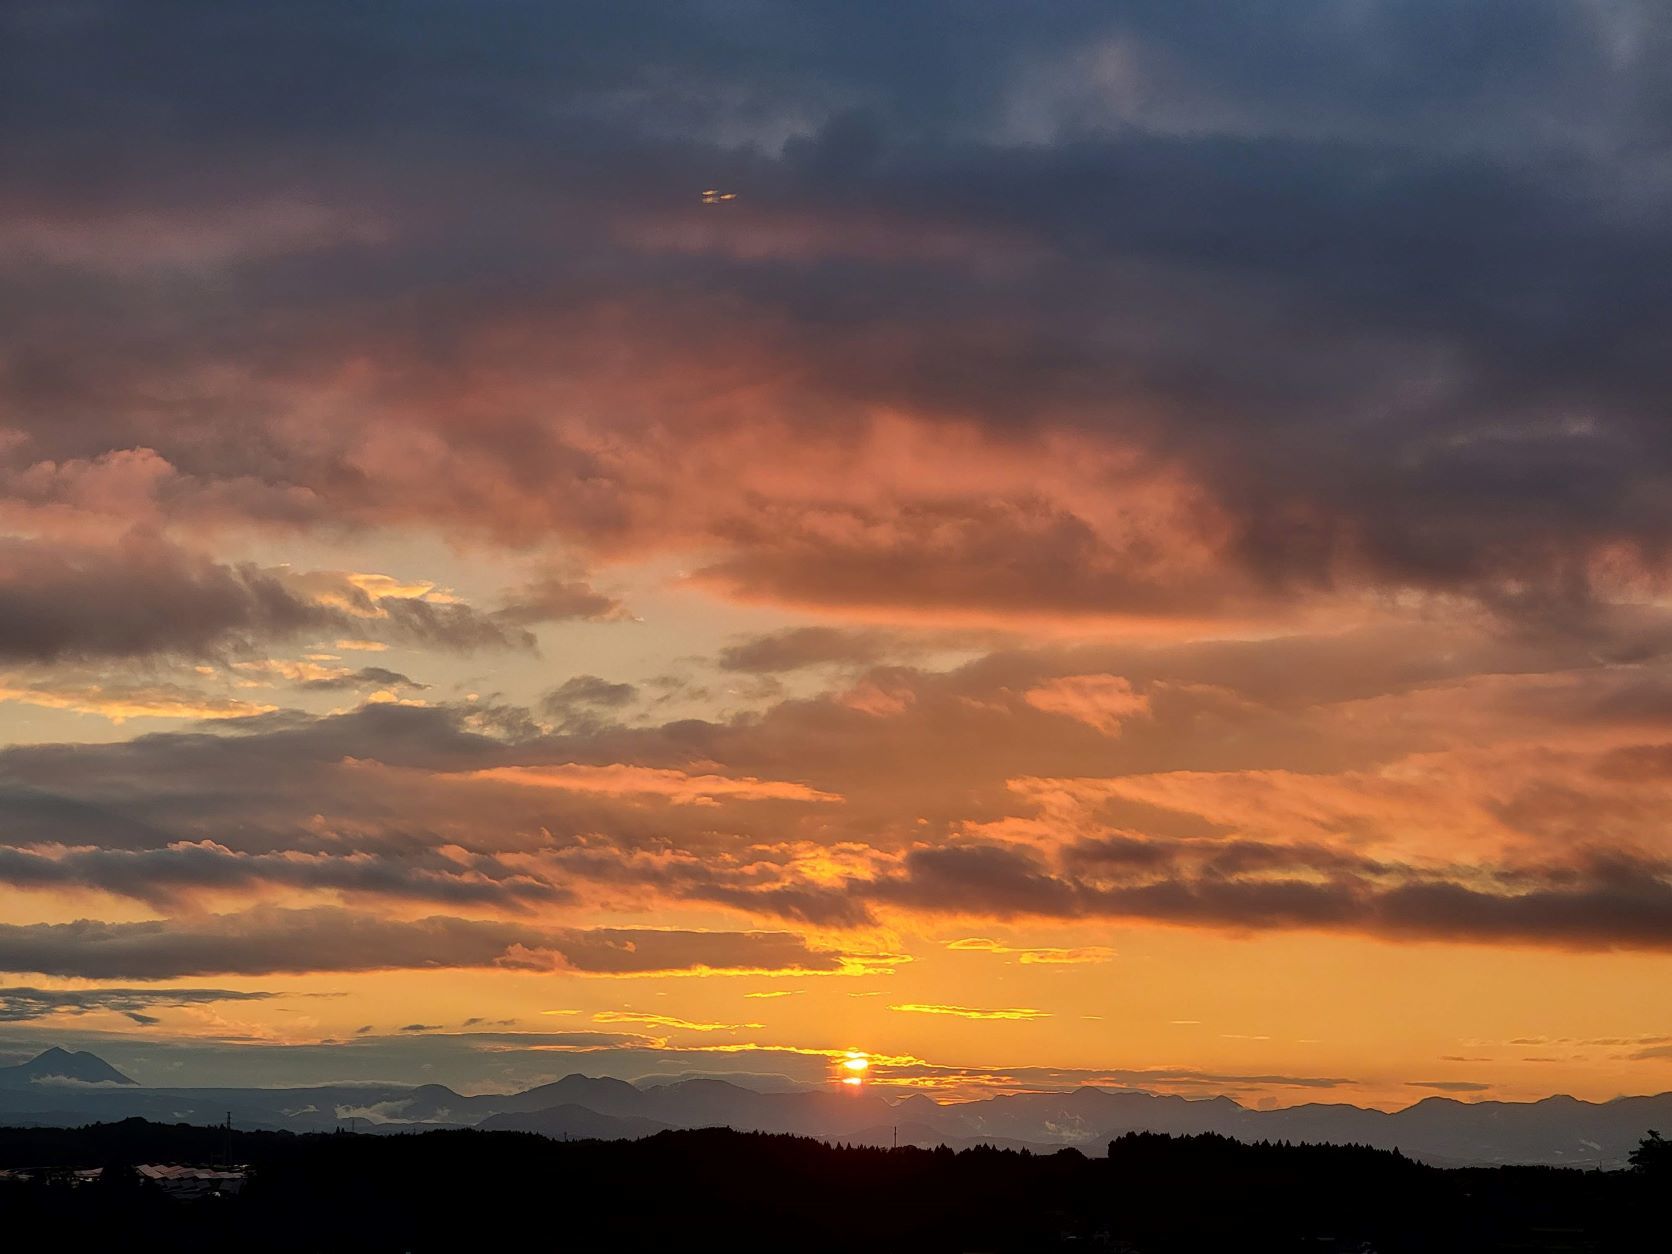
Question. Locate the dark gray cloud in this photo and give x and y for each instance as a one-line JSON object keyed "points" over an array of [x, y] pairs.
{"points": [[364, 677], [19, 1004], [800, 647], [584, 690], [1381, 286], [142, 596], [260, 942], [145, 595], [237, 782], [446, 625], [1592, 913], [168, 876], [1599, 902], [981, 878], [556, 600], [276, 941]]}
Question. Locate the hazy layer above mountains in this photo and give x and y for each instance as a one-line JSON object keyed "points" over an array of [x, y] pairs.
{"points": [[63, 1088]]}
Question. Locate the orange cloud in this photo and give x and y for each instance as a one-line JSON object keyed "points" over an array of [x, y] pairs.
{"points": [[1101, 701], [674, 785], [119, 702]]}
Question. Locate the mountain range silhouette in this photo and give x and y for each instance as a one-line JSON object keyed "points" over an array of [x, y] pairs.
{"points": [[61, 1088]]}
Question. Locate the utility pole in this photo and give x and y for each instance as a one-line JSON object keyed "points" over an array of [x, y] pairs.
{"points": [[896, 1144]]}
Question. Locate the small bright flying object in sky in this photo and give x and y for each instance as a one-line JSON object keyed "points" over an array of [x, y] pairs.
{"points": [[856, 1065], [714, 196]]}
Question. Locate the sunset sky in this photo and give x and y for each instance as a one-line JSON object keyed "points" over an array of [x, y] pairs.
{"points": [[1135, 550]]}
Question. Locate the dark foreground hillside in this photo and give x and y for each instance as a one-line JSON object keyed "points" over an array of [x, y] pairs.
{"points": [[720, 1190]]}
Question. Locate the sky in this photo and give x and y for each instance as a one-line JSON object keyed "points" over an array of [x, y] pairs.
{"points": [[1135, 548]]}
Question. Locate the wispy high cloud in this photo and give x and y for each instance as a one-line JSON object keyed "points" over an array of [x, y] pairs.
{"points": [[672, 1022], [968, 1012], [1047, 955]]}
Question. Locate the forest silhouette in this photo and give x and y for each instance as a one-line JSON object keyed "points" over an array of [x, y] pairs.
{"points": [[715, 1189]]}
